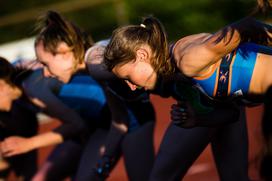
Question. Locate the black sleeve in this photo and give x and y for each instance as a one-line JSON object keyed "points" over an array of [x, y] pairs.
{"points": [[99, 72], [119, 115], [44, 89]]}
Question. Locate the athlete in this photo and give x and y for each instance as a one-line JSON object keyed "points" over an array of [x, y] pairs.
{"points": [[61, 47]]}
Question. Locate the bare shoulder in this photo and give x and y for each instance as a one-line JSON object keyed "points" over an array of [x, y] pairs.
{"points": [[190, 54]]}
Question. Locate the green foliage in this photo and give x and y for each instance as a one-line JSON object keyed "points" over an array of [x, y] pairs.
{"points": [[180, 17]]}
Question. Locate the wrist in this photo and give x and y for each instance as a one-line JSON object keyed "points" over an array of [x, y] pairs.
{"points": [[33, 143]]}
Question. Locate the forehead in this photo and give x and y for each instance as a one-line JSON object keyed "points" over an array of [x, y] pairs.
{"points": [[123, 70], [41, 51]]}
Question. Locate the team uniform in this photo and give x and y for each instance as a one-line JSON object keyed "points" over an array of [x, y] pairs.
{"points": [[181, 146], [231, 77]]}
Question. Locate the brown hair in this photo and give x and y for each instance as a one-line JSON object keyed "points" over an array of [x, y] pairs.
{"points": [[53, 29], [263, 6], [125, 41], [14, 76]]}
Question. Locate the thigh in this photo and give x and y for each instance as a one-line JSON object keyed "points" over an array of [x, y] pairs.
{"points": [[230, 150], [63, 160], [138, 152], [179, 149], [91, 155]]}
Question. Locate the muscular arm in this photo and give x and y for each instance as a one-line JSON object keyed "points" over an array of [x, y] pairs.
{"points": [[201, 53]]}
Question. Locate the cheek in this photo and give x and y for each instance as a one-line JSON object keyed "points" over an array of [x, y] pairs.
{"points": [[58, 67], [143, 72]]}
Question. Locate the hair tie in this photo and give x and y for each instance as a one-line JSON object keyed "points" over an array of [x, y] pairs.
{"points": [[143, 25]]}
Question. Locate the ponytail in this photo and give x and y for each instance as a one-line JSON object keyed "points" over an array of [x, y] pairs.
{"points": [[159, 44], [125, 41], [53, 29]]}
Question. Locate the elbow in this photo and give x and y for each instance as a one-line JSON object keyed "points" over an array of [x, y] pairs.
{"points": [[120, 126]]}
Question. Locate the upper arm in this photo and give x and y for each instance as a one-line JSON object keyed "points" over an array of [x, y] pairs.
{"points": [[95, 63], [117, 107], [201, 53], [41, 88]]}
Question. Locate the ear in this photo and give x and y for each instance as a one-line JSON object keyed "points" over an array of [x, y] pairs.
{"points": [[142, 54]]}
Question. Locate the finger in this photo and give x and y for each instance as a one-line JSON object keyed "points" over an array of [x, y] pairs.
{"points": [[9, 154], [177, 121], [6, 152], [179, 109], [184, 118], [176, 115]]}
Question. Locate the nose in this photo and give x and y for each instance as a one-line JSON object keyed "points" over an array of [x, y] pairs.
{"points": [[133, 87]]}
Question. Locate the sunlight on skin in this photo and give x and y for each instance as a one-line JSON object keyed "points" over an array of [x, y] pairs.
{"points": [[60, 64]]}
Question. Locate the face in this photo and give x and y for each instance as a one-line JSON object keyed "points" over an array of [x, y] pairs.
{"points": [[60, 65], [137, 74], [8, 94]]}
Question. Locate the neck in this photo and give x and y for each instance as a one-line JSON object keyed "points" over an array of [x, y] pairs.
{"points": [[81, 66]]}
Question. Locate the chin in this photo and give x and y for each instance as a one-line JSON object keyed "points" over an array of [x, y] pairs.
{"points": [[64, 79], [5, 109]]}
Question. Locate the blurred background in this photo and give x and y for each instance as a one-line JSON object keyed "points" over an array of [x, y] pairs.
{"points": [[100, 17]]}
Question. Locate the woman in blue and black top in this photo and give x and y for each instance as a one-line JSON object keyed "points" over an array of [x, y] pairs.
{"points": [[206, 73], [64, 46]]}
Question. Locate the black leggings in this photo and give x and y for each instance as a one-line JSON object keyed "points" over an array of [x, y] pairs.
{"points": [[181, 147], [24, 165], [67, 157], [138, 152]]}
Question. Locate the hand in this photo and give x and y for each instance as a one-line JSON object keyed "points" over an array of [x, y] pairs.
{"points": [[104, 167], [15, 145], [183, 115]]}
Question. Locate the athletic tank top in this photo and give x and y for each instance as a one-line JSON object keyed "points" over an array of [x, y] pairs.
{"points": [[232, 75]]}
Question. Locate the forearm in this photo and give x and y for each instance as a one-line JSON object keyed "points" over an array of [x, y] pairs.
{"points": [[112, 151], [45, 139], [114, 139]]}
